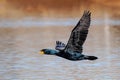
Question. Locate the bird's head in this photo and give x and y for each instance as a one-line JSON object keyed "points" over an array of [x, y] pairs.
{"points": [[48, 51]]}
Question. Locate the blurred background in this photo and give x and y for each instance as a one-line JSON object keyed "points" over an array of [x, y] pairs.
{"points": [[53, 8], [27, 26]]}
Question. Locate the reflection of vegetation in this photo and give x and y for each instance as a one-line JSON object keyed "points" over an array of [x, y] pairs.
{"points": [[116, 27], [115, 14], [59, 7], [55, 4]]}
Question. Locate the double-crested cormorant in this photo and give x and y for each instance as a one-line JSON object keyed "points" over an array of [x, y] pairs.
{"points": [[73, 49]]}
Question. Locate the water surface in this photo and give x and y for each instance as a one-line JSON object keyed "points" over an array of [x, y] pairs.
{"points": [[20, 60]]}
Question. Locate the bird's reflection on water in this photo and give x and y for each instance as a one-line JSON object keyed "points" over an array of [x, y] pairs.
{"points": [[20, 60]]}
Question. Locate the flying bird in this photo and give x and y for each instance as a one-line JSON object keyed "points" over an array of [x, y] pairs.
{"points": [[74, 48]]}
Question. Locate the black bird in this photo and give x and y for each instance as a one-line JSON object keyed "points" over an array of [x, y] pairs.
{"points": [[73, 49]]}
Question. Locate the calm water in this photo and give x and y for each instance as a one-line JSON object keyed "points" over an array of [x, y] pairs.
{"points": [[20, 60]]}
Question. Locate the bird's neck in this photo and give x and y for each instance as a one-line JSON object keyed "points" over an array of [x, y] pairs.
{"points": [[53, 52]]}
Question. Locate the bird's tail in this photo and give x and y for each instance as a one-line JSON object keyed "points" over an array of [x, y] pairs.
{"points": [[90, 57]]}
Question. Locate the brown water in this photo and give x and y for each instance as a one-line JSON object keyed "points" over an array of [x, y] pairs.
{"points": [[20, 60]]}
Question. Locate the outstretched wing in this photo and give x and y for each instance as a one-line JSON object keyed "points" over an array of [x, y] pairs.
{"points": [[79, 34], [60, 45]]}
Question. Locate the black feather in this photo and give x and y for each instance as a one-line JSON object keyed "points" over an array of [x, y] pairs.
{"points": [[79, 33]]}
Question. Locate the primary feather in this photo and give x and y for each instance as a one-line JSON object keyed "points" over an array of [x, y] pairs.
{"points": [[79, 34]]}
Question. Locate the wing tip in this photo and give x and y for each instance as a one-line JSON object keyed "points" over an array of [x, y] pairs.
{"points": [[59, 45], [87, 13]]}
